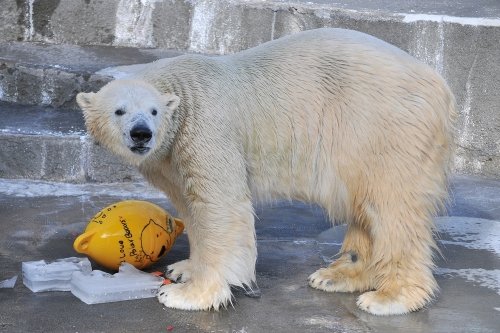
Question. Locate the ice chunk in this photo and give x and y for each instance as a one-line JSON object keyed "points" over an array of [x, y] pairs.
{"points": [[100, 287], [9, 283], [53, 276]]}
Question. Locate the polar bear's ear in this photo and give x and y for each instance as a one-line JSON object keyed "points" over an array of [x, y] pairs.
{"points": [[85, 100], [171, 101]]}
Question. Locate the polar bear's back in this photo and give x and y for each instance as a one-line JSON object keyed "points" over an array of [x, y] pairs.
{"points": [[339, 74], [339, 94], [333, 63], [326, 39]]}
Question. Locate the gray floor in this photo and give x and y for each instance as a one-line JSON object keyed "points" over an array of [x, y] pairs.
{"points": [[293, 241]]}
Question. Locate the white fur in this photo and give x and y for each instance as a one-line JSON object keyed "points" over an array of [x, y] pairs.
{"points": [[329, 116]]}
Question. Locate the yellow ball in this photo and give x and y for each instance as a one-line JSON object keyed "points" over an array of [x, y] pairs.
{"points": [[133, 231]]}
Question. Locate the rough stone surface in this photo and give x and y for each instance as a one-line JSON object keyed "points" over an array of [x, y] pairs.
{"points": [[172, 22], [95, 25], [41, 220], [51, 144], [11, 26], [40, 74], [60, 158], [460, 39], [23, 157], [180, 23], [104, 167]]}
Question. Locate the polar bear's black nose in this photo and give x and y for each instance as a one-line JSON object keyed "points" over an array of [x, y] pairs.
{"points": [[141, 134]]}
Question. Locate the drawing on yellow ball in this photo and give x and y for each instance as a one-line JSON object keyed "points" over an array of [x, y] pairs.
{"points": [[151, 237], [137, 232]]}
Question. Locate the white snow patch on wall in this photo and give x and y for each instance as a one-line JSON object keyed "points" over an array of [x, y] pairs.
{"points": [[439, 63], [2, 91], [466, 135], [428, 46], [322, 13], [207, 37], [43, 163], [32, 188], [46, 98], [459, 163], [243, 330], [47, 88], [134, 24], [30, 31], [201, 25], [475, 21], [273, 25]]}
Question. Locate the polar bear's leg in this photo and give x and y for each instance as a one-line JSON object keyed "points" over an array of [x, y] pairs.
{"points": [[219, 219], [223, 253], [349, 272], [401, 262], [180, 271]]}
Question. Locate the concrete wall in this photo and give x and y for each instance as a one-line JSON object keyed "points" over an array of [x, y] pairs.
{"points": [[465, 50], [69, 158]]}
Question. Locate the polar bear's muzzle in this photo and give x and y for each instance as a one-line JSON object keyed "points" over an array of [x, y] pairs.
{"points": [[140, 134]]}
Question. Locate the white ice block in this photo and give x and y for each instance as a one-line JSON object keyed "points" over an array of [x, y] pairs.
{"points": [[100, 287], [9, 283], [53, 276]]}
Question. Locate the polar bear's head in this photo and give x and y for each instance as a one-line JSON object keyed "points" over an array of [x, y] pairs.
{"points": [[130, 117]]}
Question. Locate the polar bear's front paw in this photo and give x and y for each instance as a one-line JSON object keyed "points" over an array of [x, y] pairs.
{"points": [[395, 301], [180, 271], [195, 296], [341, 276], [321, 280], [379, 303]]}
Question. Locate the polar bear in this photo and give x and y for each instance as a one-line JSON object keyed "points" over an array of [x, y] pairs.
{"points": [[329, 116]]}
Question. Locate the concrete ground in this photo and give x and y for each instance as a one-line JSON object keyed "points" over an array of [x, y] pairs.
{"points": [[40, 221]]}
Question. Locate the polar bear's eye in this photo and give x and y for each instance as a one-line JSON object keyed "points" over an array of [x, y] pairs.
{"points": [[119, 112], [154, 112]]}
